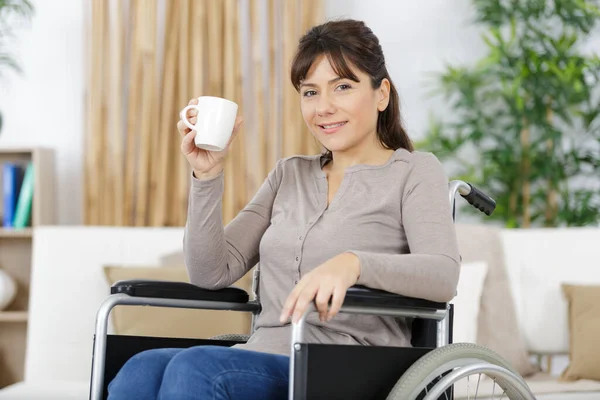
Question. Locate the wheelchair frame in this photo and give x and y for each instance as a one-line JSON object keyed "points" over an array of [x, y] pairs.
{"points": [[358, 300]]}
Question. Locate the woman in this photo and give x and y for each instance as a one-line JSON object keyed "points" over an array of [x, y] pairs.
{"points": [[318, 225]]}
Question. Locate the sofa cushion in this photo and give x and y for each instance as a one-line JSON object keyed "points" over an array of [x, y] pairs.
{"points": [[172, 322], [584, 332], [498, 327], [47, 390], [467, 302]]}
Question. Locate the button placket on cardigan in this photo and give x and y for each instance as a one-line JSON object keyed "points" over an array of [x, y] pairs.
{"points": [[322, 186]]}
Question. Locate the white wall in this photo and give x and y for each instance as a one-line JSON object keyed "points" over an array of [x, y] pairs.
{"points": [[45, 106]]}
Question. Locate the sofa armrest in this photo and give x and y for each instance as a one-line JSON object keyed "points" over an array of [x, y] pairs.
{"points": [[177, 290], [366, 297]]}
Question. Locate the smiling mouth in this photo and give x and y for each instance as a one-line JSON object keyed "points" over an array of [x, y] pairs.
{"points": [[331, 128]]}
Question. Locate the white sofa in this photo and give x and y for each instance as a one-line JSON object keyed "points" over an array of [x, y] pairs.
{"points": [[68, 285], [537, 262]]}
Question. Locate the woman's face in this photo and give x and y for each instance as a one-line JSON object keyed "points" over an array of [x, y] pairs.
{"points": [[341, 113]]}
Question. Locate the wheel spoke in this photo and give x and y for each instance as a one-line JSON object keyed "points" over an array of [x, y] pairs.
{"points": [[468, 390], [503, 393]]}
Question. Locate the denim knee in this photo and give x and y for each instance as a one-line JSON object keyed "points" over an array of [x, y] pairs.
{"points": [[201, 360], [141, 376], [217, 372]]}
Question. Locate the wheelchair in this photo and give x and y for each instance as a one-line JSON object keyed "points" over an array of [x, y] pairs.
{"points": [[428, 370]]}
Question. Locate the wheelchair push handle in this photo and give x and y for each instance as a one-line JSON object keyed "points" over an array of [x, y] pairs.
{"points": [[480, 200]]}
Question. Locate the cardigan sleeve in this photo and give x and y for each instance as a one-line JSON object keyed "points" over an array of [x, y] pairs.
{"points": [[431, 269]]}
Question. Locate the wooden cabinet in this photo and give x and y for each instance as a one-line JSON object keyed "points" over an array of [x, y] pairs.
{"points": [[15, 256]]}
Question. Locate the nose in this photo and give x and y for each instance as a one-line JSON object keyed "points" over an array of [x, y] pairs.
{"points": [[325, 106]]}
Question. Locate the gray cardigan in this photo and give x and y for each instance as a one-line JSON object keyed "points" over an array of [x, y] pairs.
{"points": [[395, 217]]}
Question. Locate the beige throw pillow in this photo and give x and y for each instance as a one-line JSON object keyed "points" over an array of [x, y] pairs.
{"points": [[173, 322], [584, 332]]}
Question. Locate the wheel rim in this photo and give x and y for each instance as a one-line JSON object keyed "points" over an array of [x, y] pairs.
{"points": [[472, 388], [500, 375], [424, 374]]}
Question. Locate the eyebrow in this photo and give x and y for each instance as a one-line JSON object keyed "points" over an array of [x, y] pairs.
{"points": [[308, 84]]}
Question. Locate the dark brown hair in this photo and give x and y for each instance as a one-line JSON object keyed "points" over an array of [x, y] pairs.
{"points": [[344, 41]]}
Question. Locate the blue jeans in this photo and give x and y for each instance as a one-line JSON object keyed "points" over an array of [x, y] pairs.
{"points": [[202, 372]]}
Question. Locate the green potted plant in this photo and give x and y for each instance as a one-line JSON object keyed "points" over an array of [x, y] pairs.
{"points": [[11, 13], [525, 119]]}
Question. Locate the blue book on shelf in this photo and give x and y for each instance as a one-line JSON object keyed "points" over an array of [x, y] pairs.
{"points": [[11, 176], [22, 214]]}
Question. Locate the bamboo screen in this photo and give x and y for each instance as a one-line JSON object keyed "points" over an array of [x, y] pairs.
{"points": [[147, 59]]}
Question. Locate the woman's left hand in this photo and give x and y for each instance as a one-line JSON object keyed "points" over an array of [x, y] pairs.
{"points": [[329, 280]]}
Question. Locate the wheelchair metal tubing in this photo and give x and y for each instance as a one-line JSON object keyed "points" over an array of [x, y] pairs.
{"points": [[297, 337], [501, 374], [443, 331], [99, 355], [458, 187]]}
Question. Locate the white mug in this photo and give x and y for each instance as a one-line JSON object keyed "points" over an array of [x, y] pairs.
{"points": [[214, 122]]}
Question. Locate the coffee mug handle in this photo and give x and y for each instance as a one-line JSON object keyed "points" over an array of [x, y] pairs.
{"points": [[183, 115]]}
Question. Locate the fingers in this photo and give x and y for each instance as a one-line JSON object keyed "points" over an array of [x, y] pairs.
{"points": [[187, 144], [182, 128], [322, 302], [289, 304], [336, 302], [191, 114], [306, 296]]}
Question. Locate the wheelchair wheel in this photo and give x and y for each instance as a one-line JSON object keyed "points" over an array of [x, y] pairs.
{"points": [[434, 373]]}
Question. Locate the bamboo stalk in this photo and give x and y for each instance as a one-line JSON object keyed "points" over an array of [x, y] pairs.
{"points": [[215, 47], [241, 160], [292, 140], [174, 157], [95, 140], [306, 16], [254, 131], [168, 137], [276, 93], [525, 171], [104, 169], [158, 137], [198, 47], [228, 84], [513, 200], [115, 118], [182, 176], [215, 85], [133, 111], [552, 196], [148, 49]]}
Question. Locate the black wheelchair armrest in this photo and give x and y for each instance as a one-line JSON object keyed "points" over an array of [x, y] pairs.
{"points": [[362, 296], [177, 290]]}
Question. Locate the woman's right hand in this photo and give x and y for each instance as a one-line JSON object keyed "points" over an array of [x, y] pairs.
{"points": [[206, 164]]}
